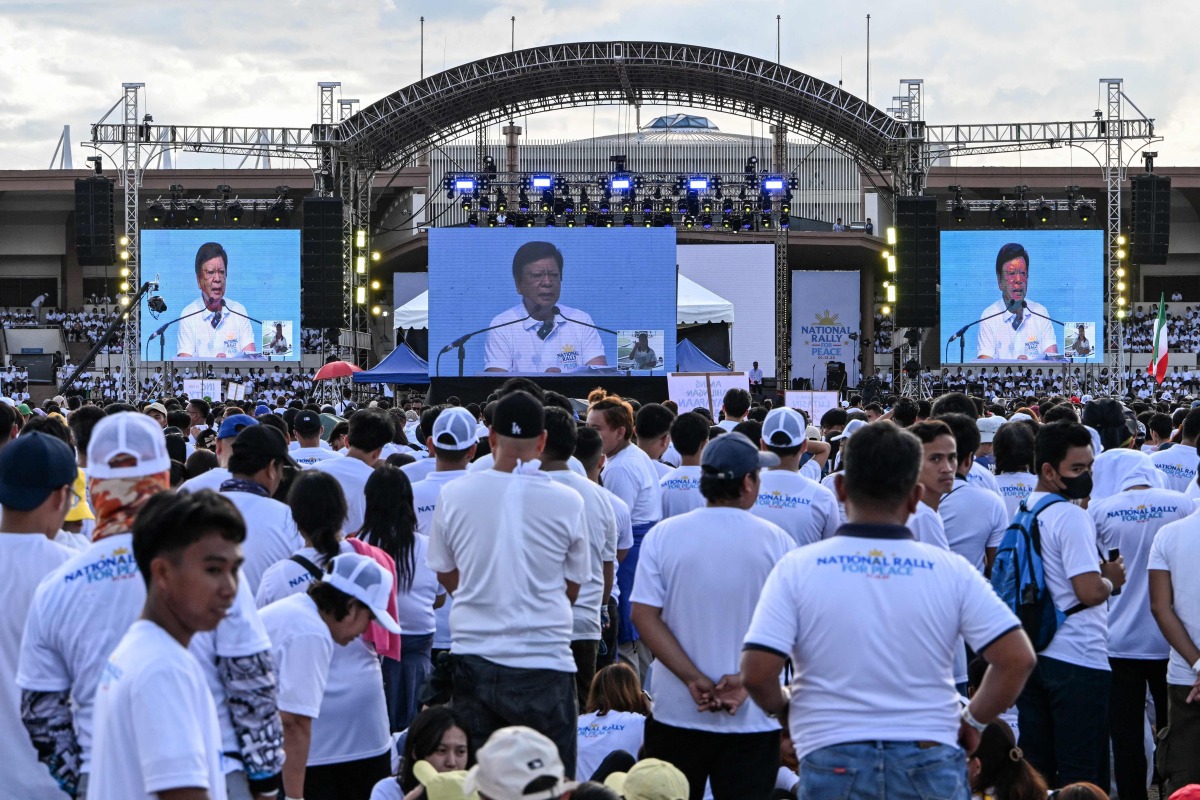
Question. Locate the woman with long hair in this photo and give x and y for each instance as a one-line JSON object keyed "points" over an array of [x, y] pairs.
{"points": [[614, 718], [438, 735], [351, 742], [998, 769], [390, 523]]}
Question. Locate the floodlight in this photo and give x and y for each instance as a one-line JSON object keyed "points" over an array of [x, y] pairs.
{"points": [[620, 183], [360, 295], [195, 212], [891, 236], [158, 212], [234, 212], [465, 184], [1085, 212], [698, 183], [541, 181], [1044, 211], [961, 211], [774, 184]]}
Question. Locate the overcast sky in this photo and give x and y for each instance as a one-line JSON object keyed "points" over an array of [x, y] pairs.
{"points": [[258, 63]]}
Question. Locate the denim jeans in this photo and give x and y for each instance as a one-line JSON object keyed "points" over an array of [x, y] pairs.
{"points": [[402, 680], [491, 696], [895, 770], [1064, 722]]}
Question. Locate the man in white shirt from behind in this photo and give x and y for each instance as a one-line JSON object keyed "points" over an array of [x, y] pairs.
{"points": [[698, 581], [1178, 463], [1128, 522], [735, 406], [652, 428], [37, 471], [855, 708], [804, 508], [227, 431], [306, 431], [370, 430], [156, 727], [681, 486], [510, 545], [601, 527]]}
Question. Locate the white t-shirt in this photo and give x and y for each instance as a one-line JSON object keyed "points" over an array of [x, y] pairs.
{"points": [[1129, 521], [1015, 487], [240, 634], [206, 480], [624, 532], [420, 469], [78, 616], [805, 509], [353, 721], [1030, 340], [1070, 547], [271, 534], [307, 456], [705, 569], [516, 539], [600, 734], [25, 559], [303, 649], [927, 526], [824, 607], [521, 347], [982, 476], [1176, 549], [200, 339], [488, 460], [414, 607], [426, 493], [1177, 465], [974, 520], [680, 489], [156, 724], [601, 526], [631, 475], [352, 474]]}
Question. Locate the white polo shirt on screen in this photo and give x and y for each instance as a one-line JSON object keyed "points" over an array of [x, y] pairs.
{"points": [[1129, 521], [1176, 549], [1030, 340], [824, 607], [1070, 547], [705, 570], [1177, 466], [519, 348], [806, 510], [199, 339], [1015, 487], [156, 723], [516, 539], [680, 489]]}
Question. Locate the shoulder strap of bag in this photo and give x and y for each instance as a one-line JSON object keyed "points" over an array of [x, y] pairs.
{"points": [[312, 568]]}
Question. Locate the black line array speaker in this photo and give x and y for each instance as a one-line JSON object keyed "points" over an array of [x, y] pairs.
{"points": [[918, 253], [1150, 236], [321, 263], [835, 375], [95, 238]]}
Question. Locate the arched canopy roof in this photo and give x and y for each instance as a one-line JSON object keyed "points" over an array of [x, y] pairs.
{"points": [[442, 107]]}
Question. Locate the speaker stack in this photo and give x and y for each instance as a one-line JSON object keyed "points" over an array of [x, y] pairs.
{"points": [[95, 238], [1151, 210], [321, 263], [918, 253]]}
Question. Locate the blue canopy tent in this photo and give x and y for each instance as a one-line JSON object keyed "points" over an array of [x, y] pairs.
{"points": [[401, 365], [689, 358]]}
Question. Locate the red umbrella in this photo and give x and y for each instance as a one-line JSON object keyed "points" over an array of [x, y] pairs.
{"points": [[337, 369]]}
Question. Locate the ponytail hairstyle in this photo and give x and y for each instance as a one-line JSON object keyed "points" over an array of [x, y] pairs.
{"points": [[1003, 768], [319, 511], [390, 521]]}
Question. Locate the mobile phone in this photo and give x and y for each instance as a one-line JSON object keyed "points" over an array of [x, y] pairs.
{"points": [[1113, 554]]}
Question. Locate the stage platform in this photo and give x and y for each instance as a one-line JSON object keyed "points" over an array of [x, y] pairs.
{"points": [[644, 389]]}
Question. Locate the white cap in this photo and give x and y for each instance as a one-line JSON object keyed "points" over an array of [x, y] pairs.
{"points": [[367, 581], [784, 427], [454, 429], [513, 758], [988, 427], [134, 441], [1019, 418], [848, 431]]}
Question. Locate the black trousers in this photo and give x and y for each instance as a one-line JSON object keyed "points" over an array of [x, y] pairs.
{"points": [[1179, 750], [1126, 715], [350, 780], [741, 766]]}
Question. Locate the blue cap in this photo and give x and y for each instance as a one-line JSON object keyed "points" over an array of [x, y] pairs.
{"points": [[31, 467], [261, 409], [733, 455], [231, 426]]}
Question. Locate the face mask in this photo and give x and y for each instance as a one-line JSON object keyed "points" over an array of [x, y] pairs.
{"points": [[1077, 488]]}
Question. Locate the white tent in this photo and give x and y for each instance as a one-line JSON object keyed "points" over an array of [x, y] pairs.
{"points": [[695, 306]]}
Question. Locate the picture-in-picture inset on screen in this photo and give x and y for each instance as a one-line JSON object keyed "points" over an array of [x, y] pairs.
{"points": [[1022, 295], [547, 301]]}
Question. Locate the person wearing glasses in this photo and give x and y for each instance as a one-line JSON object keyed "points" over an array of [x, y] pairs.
{"points": [[212, 326], [543, 336], [1015, 328]]}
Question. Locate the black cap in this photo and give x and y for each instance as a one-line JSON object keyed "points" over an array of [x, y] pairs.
{"points": [[262, 440], [31, 467], [518, 415], [307, 423]]}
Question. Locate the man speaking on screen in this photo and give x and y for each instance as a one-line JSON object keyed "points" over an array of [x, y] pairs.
{"points": [[1019, 329], [213, 326], [544, 336]]}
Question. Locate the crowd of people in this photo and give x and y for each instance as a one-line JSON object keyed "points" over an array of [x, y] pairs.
{"points": [[1183, 334], [523, 600]]}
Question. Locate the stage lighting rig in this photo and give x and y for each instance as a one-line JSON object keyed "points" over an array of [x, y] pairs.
{"points": [[774, 184], [541, 182], [620, 183], [1044, 211]]}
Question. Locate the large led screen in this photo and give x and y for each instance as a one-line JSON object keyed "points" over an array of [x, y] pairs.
{"points": [[230, 294], [1026, 295], [540, 301]]}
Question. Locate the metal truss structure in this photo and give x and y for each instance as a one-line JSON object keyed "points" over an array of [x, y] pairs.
{"points": [[344, 155]]}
